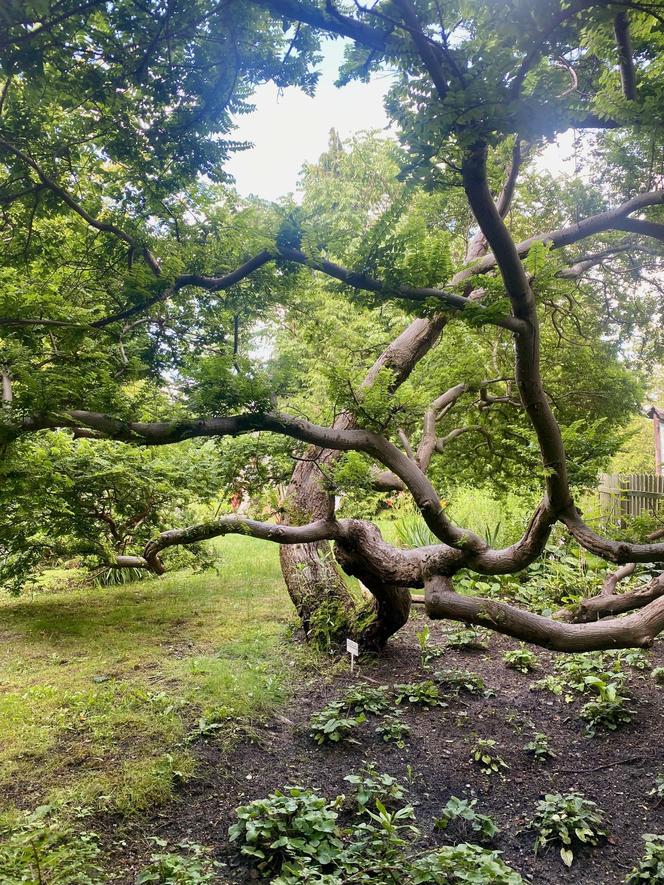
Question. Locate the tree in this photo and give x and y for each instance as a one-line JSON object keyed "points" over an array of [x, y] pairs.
{"points": [[117, 250]]}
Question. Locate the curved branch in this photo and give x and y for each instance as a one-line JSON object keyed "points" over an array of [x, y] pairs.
{"points": [[636, 630], [608, 605], [625, 55]]}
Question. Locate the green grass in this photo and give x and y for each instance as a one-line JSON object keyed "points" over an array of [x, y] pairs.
{"points": [[99, 688]]}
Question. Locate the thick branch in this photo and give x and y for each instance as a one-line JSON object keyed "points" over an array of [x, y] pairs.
{"points": [[625, 56], [608, 605], [636, 630]]}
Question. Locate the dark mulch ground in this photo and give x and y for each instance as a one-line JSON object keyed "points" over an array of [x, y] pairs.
{"points": [[615, 770]]}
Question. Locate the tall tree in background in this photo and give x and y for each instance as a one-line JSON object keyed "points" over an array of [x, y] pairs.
{"points": [[117, 250]]}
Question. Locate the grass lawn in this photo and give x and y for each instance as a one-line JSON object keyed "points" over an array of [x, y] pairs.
{"points": [[99, 688]]}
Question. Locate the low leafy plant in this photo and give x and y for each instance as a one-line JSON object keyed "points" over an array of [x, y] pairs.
{"points": [[287, 826], [190, 865], [484, 754], [41, 846], [521, 659], [367, 699], [427, 651], [608, 711], [540, 747], [634, 658], [393, 731], [658, 675], [371, 785], [468, 640], [425, 693], [461, 681], [568, 821], [333, 724], [650, 867], [657, 791], [461, 820], [463, 865]]}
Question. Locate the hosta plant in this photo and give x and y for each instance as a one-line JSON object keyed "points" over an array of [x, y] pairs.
{"points": [[484, 754], [425, 693], [540, 747], [468, 640], [366, 699], [287, 825], [521, 659], [608, 710], [188, 865], [463, 865], [460, 820], [371, 785], [333, 724], [393, 731], [568, 821], [460, 681], [650, 867]]}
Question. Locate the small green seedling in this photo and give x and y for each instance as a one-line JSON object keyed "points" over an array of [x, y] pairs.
{"points": [[484, 754], [521, 659]]}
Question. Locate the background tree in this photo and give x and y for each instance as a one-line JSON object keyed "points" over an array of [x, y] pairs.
{"points": [[110, 115]]}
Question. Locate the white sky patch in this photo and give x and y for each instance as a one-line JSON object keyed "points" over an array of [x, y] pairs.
{"points": [[289, 128]]}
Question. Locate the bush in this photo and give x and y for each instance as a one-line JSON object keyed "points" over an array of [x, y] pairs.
{"points": [[651, 866], [568, 821], [608, 711]]}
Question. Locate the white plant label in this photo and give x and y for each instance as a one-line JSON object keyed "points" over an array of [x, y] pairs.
{"points": [[353, 650]]}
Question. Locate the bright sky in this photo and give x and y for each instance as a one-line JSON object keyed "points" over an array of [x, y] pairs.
{"points": [[289, 129]]}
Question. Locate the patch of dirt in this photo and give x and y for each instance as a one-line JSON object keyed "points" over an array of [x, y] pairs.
{"points": [[616, 770]]}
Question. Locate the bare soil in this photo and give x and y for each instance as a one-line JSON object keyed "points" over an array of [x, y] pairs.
{"points": [[616, 770]]}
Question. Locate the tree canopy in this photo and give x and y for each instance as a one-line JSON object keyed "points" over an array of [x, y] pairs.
{"points": [[440, 309]]}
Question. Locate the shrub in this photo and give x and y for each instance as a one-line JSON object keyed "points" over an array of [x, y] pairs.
{"points": [[464, 863], [460, 818], [425, 693], [332, 725], [190, 866], [372, 785], [567, 820], [521, 659], [484, 755], [608, 710], [651, 866], [393, 731], [540, 747], [287, 825]]}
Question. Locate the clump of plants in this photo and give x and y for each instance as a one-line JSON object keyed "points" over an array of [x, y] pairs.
{"points": [[657, 791], [457, 864], [568, 821], [658, 675], [460, 820], [367, 699], [521, 659], [287, 826], [635, 658], [485, 756], [43, 846], [540, 747], [608, 710], [190, 865], [371, 785], [425, 693], [650, 867], [334, 724], [393, 730], [468, 640], [461, 681]]}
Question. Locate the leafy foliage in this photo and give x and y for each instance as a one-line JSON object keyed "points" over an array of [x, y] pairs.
{"points": [[393, 731], [540, 747], [609, 710], [460, 820], [425, 693], [567, 820], [333, 724], [521, 659], [190, 865], [371, 785], [650, 867], [485, 756]]}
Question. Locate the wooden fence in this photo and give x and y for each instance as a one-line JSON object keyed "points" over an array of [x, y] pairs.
{"points": [[623, 495]]}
